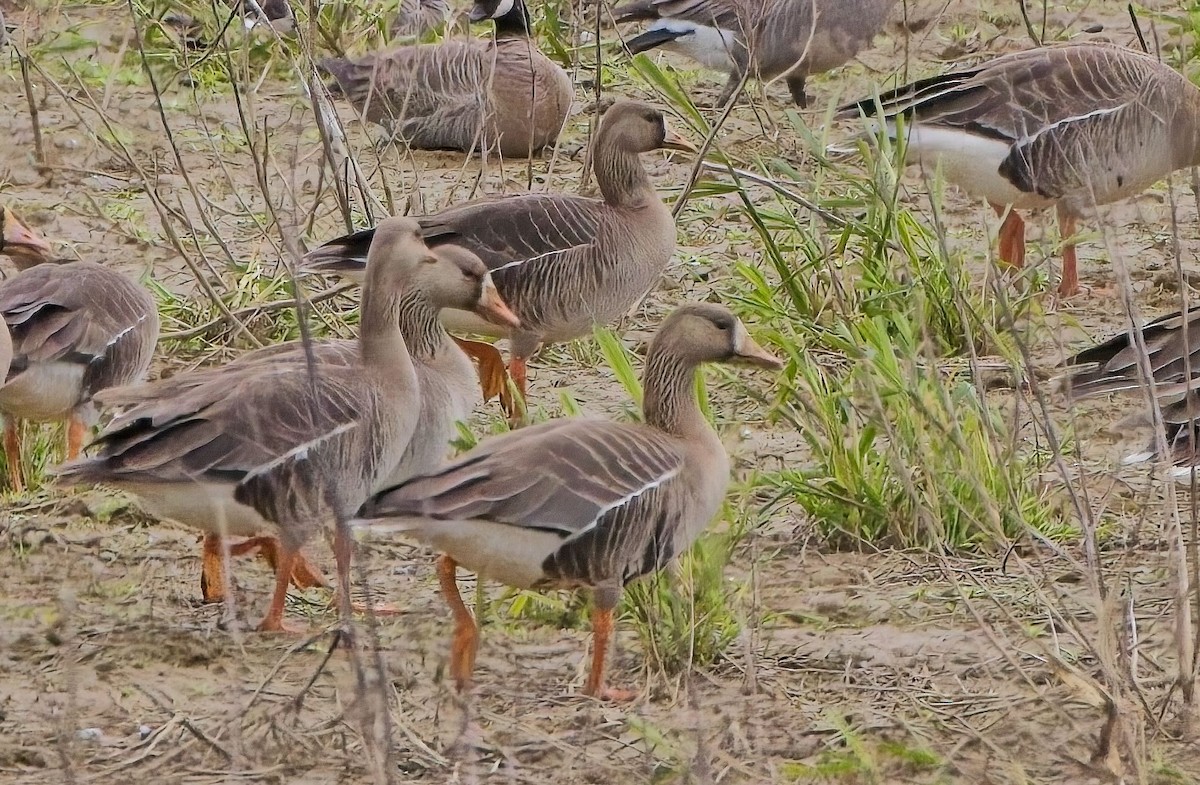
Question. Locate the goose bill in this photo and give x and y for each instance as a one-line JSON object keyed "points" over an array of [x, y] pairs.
{"points": [[750, 353], [20, 238], [493, 308], [673, 141]]}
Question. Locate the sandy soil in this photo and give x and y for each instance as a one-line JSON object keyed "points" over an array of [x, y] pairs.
{"points": [[884, 667]]}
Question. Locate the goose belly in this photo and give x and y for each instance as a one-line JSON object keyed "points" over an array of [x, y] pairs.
{"points": [[512, 555], [44, 391], [969, 161], [448, 395], [207, 506]]}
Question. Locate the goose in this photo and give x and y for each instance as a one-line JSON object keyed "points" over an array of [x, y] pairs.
{"points": [[445, 380], [579, 502], [563, 263], [284, 447], [771, 38], [1173, 358], [416, 18], [473, 95], [76, 328], [1071, 126]]}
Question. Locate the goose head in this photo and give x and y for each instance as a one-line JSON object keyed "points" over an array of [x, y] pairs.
{"points": [[23, 245], [397, 252], [639, 128], [459, 280], [706, 332], [508, 14]]}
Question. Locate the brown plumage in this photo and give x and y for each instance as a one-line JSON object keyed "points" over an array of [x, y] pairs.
{"points": [[581, 503], [769, 38], [445, 381], [416, 18], [282, 447], [563, 263], [1173, 359], [473, 95], [76, 328], [1071, 126]]}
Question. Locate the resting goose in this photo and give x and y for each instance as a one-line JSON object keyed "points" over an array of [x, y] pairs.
{"points": [[563, 263], [473, 95], [578, 502], [771, 38], [446, 382], [76, 328], [1173, 353], [1071, 126], [284, 447]]}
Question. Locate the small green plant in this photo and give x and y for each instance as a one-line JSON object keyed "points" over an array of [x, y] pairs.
{"points": [[907, 449]]}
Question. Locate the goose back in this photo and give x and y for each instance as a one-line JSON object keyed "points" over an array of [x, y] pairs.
{"points": [[563, 263], [502, 95], [77, 328], [1079, 124], [288, 442], [770, 38]]}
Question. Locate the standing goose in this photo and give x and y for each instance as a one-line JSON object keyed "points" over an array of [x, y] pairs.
{"points": [[284, 447], [577, 502], [1074, 126], [563, 263], [1173, 354], [770, 38], [501, 95], [76, 328], [445, 380]]}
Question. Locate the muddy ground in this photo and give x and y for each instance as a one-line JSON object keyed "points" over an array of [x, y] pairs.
{"points": [[881, 667]]}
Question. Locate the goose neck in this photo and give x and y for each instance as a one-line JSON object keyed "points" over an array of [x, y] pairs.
{"points": [[621, 176], [669, 390], [387, 316]]}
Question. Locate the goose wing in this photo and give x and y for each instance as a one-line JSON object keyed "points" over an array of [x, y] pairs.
{"points": [[80, 313], [564, 476], [499, 230]]}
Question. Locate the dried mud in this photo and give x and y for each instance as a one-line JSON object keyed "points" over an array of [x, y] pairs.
{"points": [[112, 672]]}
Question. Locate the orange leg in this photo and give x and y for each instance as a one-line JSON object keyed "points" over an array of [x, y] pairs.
{"points": [[273, 621], [212, 570], [1012, 237], [213, 583], [76, 432], [602, 630], [12, 454], [515, 409], [343, 553], [466, 634], [492, 376], [305, 574], [1069, 285]]}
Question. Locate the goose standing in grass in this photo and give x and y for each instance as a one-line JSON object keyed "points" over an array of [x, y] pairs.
{"points": [[1071, 126], [791, 39], [501, 95], [1173, 358], [445, 379], [285, 447], [76, 328], [563, 263], [577, 502]]}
